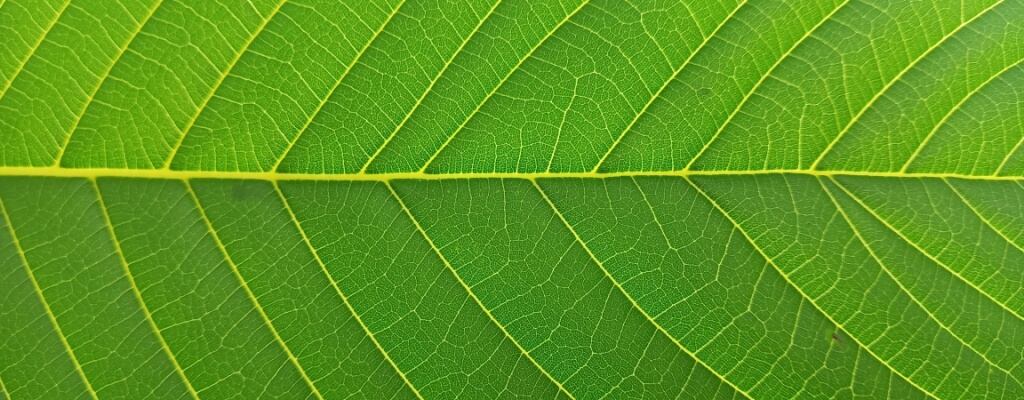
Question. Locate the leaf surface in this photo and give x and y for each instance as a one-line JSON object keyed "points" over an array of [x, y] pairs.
{"points": [[511, 199]]}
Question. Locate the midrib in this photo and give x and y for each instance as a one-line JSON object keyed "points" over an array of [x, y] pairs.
{"points": [[280, 176]]}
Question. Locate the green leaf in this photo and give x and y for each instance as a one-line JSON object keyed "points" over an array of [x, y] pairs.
{"points": [[511, 199]]}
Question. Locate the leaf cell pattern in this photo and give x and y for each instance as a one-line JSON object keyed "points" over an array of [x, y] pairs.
{"points": [[568, 199]]}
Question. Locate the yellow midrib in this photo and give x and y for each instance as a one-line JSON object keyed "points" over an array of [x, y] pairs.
{"points": [[280, 176]]}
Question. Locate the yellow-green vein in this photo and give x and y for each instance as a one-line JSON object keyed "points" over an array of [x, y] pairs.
{"points": [[1006, 160], [383, 177], [3, 388], [470, 292], [335, 87], [625, 294], [138, 294], [430, 87], [105, 76], [983, 219], [903, 237], [956, 107], [913, 298], [764, 77], [249, 293], [46, 305], [671, 78], [216, 85], [35, 47], [891, 82], [792, 284], [502, 83]]}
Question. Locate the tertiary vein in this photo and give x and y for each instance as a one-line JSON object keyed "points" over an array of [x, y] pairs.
{"points": [[344, 298], [803, 294], [248, 292], [216, 86], [885, 89], [618, 286], [138, 294], [924, 252], [103, 79], [337, 84], [472, 295], [860, 238], [46, 305]]}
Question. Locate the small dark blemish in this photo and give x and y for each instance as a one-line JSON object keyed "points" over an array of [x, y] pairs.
{"points": [[243, 192]]}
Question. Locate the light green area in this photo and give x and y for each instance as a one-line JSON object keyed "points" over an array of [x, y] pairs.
{"points": [[167, 76], [44, 95], [313, 86], [573, 199], [309, 49], [405, 59]]}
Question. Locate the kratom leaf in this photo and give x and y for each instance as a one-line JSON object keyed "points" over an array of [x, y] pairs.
{"points": [[511, 199]]}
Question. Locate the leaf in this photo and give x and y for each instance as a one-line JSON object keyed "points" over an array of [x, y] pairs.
{"points": [[510, 198]]}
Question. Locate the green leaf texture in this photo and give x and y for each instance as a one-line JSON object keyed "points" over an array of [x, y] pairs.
{"points": [[573, 199]]}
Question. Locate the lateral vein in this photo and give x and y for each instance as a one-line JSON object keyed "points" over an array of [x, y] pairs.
{"points": [[430, 87], [501, 83], [761, 81], [335, 87], [983, 219], [917, 247], [471, 294], [657, 95], [1006, 160], [3, 388], [252, 297], [893, 81], [138, 294], [216, 86], [804, 295], [344, 298], [103, 80], [35, 47], [46, 305], [956, 107], [913, 298], [657, 326]]}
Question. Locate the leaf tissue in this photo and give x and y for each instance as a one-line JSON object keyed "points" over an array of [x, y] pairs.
{"points": [[482, 199]]}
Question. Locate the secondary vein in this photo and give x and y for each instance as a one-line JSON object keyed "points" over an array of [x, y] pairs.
{"points": [[252, 297], [631, 300], [804, 295], [46, 306], [138, 294], [471, 294], [917, 247], [344, 298], [913, 298]]}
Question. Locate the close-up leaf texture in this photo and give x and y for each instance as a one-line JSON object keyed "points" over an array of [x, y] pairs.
{"points": [[483, 199]]}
